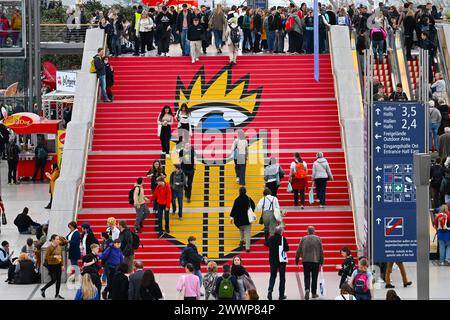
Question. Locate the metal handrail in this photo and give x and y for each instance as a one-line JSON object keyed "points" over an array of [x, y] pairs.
{"points": [[408, 73], [442, 61]]}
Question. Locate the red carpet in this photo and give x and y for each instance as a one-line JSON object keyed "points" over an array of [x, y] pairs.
{"points": [[304, 114]]}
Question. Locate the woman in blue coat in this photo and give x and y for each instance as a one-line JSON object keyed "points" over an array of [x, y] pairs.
{"points": [[74, 249]]}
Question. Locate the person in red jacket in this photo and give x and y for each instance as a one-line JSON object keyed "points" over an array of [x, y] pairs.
{"points": [[4, 28], [163, 198]]}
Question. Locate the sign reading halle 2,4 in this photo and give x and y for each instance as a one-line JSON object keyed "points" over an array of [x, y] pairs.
{"points": [[398, 132]]}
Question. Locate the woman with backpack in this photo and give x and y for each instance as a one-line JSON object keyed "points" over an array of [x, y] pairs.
{"points": [[298, 178], [273, 174], [347, 267], [209, 280], [362, 280], [233, 39], [378, 36], [321, 173], [165, 121], [239, 150], [240, 216], [188, 286], [442, 225], [267, 205]]}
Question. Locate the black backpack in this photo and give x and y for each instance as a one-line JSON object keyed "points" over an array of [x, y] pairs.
{"points": [[234, 35], [136, 240], [183, 261], [131, 195], [437, 176]]}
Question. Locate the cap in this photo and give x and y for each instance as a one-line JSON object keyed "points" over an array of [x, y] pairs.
{"points": [[85, 226]]}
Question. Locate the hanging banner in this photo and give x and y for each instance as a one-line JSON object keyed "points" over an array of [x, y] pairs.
{"points": [[398, 132], [66, 81], [60, 145]]}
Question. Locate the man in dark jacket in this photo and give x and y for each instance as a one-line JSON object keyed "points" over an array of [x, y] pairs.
{"points": [[239, 215], [204, 22], [398, 94], [177, 183], [184, 21], [4, 139], [437, 173], [126, 239], [40, 155], [87, 238], [101, 72], [311, 251], [226, 275], [24, 223], [257, 30], [195, 35], [164, 21], [275, 264], [187, 160], [134, 287], [190, 255], [134, 26], [12, 155], [279, 31]]}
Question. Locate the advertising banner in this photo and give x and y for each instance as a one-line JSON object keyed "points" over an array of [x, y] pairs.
{"points": [[66, 81]]}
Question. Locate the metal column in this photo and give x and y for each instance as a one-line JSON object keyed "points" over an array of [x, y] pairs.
{"points": [[37, 55], [422, 163]]}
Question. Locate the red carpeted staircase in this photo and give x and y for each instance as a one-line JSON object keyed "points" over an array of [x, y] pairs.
{"points": [[289, 112]]}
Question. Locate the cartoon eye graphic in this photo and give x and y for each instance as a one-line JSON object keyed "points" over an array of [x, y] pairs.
{"points": [[219, 104]]}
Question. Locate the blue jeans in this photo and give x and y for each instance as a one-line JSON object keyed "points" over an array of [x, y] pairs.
{"points": [[177, 195], [309, 41], [363, 296], [444, 250], [271, 40], [200, 276], [434, 135], [321, 186], [102, 81], [116, 46], [185, 45], [248, 44], [378, 49], [162, 210], [218, 38]]}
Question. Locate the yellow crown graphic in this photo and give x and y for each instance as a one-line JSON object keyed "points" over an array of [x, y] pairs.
{"points": [[219, 94]]}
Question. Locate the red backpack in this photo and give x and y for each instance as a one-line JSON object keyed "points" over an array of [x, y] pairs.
{"points": [[441, 222], [300, 172], [289, 24]]}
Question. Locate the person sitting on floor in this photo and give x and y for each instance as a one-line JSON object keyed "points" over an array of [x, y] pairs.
{"points": [[5, 256], [24, 223], [22, 271]]}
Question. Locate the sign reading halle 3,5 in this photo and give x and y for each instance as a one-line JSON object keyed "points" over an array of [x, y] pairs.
{"points": [[398, 132]]}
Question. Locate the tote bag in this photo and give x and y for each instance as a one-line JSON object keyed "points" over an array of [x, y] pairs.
{"points": [[322, 287], [251, 214], [282, 255], [311, 194]]}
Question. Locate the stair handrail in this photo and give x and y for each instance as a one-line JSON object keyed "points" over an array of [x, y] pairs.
{"points": [[393, 61], [408, 72], [442, 59]]}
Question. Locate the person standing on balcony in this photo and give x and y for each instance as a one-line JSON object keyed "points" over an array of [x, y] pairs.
{"points": [[134, 28], [165, 122], [196, 34], [164, 21], [100, 69], [321, 173], [184, 21], [144, 32], [233, 39], [257, 30], [116, 38], [279, 31], [16, 27]]}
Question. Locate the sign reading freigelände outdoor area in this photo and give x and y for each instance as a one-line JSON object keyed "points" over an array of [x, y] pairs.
{"points": [[398, 132]]}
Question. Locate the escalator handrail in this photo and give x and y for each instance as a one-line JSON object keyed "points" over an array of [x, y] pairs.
{"points": [[443, 62], [408, 73]]}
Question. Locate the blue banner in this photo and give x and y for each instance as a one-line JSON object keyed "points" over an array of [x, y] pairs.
{"points": [[398, 132], [316, 40]]}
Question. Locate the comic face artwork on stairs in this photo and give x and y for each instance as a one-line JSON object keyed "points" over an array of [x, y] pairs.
{"points": [[218, 109]]}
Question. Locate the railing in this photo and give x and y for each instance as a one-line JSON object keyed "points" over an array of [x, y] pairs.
{"points": [[64, 33], [442, 61]]}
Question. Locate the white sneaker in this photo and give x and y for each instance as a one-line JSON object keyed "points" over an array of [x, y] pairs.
{"points": [[193, 60], [167, 54], [196, 59], [237, 180]]}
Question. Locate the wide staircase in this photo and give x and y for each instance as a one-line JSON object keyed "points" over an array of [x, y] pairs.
{"points": [[280, 107]]}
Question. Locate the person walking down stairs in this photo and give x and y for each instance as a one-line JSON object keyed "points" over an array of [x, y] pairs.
{"points": [[177, 183], [165, 121], [163, 198], [140, 205], [195, 35]]}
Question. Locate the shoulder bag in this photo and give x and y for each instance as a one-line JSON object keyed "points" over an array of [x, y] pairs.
{"points": [[251, 214]]}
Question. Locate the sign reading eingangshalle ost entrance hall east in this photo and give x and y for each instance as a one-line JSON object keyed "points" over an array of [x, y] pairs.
{"points": [[398, 132]]}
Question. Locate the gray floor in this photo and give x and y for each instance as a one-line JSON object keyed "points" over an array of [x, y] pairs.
{"points": [[35, 197]]}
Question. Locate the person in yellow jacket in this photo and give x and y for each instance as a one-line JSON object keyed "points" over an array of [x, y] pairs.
{"points": [[264, 31], [16, 26], [52, 176]]}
